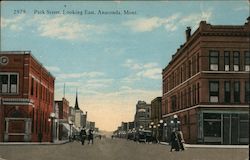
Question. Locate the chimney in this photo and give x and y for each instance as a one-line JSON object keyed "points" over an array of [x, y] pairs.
{"points": [[188, 33]]}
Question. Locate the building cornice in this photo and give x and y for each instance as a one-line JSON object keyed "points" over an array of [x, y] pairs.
{"points": [[205, 106], [17, 101]]}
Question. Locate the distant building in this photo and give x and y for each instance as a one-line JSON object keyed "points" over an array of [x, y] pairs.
{"points": [[142, 115], [131, 125], [27, 98], [79, 117], [156, 117], [63, 107], [206, 84], [156, 114], [90, 125]]}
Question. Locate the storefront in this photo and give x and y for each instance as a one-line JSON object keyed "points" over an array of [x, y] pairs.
{"points": [[223, 127]]}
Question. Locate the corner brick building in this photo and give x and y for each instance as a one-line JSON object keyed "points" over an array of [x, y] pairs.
{"points": [[206, 84], [27, 97]]}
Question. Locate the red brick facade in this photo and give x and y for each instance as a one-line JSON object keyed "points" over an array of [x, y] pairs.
{"points": [[63, 108], [27, 96], [209, 77]]}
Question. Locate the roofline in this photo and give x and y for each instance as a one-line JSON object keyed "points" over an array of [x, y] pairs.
{"points": [[202, 28], [28, 52]]}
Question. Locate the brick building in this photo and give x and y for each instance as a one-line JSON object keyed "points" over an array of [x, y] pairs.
{"points": [[156, 114], [156, 117], [63, 109], [27, 97], [142, 115], [206, 84]]}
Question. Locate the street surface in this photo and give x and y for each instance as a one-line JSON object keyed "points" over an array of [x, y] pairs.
{"points": [[115, 149]]}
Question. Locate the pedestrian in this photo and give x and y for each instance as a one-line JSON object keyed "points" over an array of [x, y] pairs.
{"points": [[83, 135], [90, 136], [174, 141], [181, 140]]}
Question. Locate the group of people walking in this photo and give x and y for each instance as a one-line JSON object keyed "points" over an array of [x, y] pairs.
{"points": [[177, 140], [89, 136]]}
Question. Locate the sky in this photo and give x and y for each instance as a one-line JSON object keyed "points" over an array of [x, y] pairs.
{"points": [[113, 60]]}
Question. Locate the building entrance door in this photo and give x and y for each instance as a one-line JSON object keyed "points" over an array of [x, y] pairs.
{"points": [[226, 129]]}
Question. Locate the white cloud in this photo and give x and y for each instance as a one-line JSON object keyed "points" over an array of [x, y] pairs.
{"points": [[170, 23], [57, 27], [79, 75], [144, 24], [15, 23], [194, 19], [53, 68], [152, 73], [132, 65], [98, 83], [149, 24], [69, 83], [148, 70], [65, 27]]}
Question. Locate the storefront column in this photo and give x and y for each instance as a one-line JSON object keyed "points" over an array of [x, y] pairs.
{"points": [[6, 134], [27, 136]]}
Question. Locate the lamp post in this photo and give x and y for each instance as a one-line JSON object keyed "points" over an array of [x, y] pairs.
{"points": [[152, 127], [176, 122], [161, 130], [52, 117], [165, 132], [70, 130]]}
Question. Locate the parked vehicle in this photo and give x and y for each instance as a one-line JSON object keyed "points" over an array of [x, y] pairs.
{"points": [[144, 136]]}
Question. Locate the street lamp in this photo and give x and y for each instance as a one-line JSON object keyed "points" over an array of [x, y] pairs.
{"points": [[154, 128], [164, 131], [176, 122], [151, 126], [160, 129], [52, 117], [70, 130]]}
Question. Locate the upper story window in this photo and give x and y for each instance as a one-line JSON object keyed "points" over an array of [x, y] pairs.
{"points": [[32, 87], [236, 91], [227, 92], [247, 60], [214, 91], [173, 103], [8, 82], [214, 60], [236, 60], [226, 60]]}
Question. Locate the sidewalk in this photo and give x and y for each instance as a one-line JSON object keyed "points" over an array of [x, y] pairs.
{"points": [[212, 146], [34, 143]]}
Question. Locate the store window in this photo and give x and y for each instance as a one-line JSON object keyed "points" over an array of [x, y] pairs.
{"points": [[214, 91], [214, 60], [212, 124], [8, 83]]}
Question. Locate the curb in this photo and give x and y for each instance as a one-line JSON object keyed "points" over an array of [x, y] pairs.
{"points": [[212, 146], [33, 143]]}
